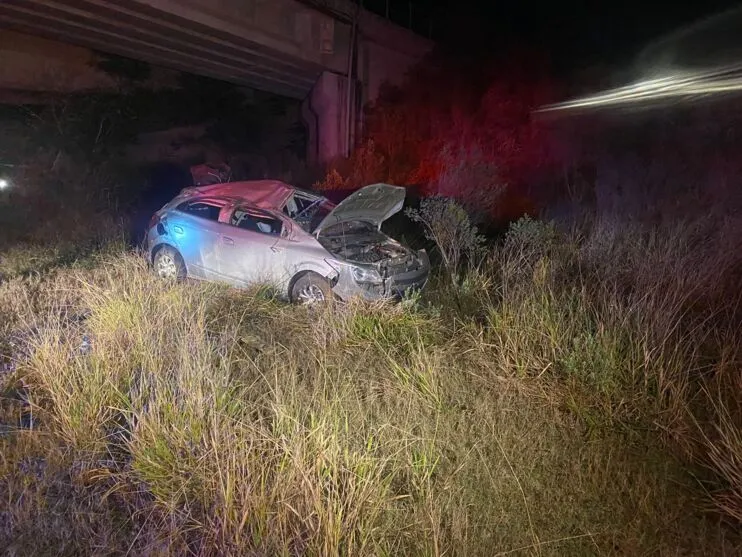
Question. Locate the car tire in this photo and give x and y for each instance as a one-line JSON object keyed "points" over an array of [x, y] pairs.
{"points": [[311, 289], [169, 265]]}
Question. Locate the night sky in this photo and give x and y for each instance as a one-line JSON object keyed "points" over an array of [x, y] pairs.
{"points": [[573, 34]]}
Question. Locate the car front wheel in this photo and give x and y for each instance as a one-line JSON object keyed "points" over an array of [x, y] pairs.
{"points": [[168, 264], [311, 289]]}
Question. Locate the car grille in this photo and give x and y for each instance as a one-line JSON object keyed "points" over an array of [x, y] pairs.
{"points": [[407, 280], [409, 265]]}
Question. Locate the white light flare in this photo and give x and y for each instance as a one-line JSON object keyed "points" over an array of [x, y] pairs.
{"points": [[4, 184], [689, 85]]}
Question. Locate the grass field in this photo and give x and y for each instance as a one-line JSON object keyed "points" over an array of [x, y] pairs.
{"points": [[577, 394]]}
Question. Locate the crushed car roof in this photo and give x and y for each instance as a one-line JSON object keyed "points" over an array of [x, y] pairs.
{"points": [[267, 194]]}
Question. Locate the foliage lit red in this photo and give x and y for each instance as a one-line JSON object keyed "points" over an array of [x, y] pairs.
{"points": [[445, 118]]}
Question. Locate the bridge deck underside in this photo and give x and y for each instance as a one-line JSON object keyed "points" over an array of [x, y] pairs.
{"points": [[162, 38]]}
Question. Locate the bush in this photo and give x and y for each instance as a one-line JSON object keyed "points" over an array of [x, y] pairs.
{"points": [[529, 242], [365, 166], [447, 224]]}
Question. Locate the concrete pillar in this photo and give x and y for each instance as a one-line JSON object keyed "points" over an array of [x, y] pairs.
{"points": [[324, 114]]}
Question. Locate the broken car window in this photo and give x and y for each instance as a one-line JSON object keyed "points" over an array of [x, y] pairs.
{"points": [[256, 221], [296, 205], [312, 215], [201, 209]]}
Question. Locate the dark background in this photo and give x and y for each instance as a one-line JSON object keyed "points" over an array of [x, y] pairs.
{"points": [[571, 34]]}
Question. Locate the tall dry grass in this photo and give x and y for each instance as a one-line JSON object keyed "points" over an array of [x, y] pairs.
{"points": [[544, 407]]}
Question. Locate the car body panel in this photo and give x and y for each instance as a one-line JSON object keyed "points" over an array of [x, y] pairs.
{"points": [[196, 240], [244, 256], [373, 204], [266, 194]]}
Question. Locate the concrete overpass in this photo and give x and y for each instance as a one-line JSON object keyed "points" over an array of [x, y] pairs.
{"points": [[305, 50]]}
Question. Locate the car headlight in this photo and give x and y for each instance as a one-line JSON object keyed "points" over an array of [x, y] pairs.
{"points": [[361, 274]]}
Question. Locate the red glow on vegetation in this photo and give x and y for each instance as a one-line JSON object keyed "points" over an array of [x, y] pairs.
{"points": [[448, 134]]}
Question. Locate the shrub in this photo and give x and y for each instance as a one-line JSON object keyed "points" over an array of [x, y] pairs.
{"points": [[529, 241], [447, 224], [365, 166]]}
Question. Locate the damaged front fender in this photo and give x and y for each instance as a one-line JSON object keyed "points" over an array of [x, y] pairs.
{"points": [[400, 279]]}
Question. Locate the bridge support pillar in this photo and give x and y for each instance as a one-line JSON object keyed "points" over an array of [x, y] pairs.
{"points": [[324, 112]]}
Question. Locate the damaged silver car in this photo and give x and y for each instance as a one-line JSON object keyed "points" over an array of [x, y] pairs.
{"points": [[298, 242]]}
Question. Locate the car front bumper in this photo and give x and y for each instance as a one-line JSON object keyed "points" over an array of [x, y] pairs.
{"points": [[394, 286]]}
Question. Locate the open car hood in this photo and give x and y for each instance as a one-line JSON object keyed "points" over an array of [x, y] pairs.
{"points": [[373, 204]]}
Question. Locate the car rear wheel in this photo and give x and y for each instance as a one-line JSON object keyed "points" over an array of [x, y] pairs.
{"points": [[311, 289], [169, 265]]}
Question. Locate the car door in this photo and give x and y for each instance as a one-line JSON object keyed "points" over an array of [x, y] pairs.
{"points": [[251, 250], [196, 231]]}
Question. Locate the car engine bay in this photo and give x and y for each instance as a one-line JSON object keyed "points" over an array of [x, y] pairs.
{"points": [[375, 248]]}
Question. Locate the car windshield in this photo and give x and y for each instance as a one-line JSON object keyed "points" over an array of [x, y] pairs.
{"points": [[311, 217]]}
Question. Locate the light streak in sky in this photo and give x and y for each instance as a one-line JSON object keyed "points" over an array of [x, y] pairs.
{"points": [[683, 84]]}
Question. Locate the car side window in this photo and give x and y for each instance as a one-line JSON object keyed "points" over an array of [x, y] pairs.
{"points": [[295, 205], [256, 221], [202, 209]]}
